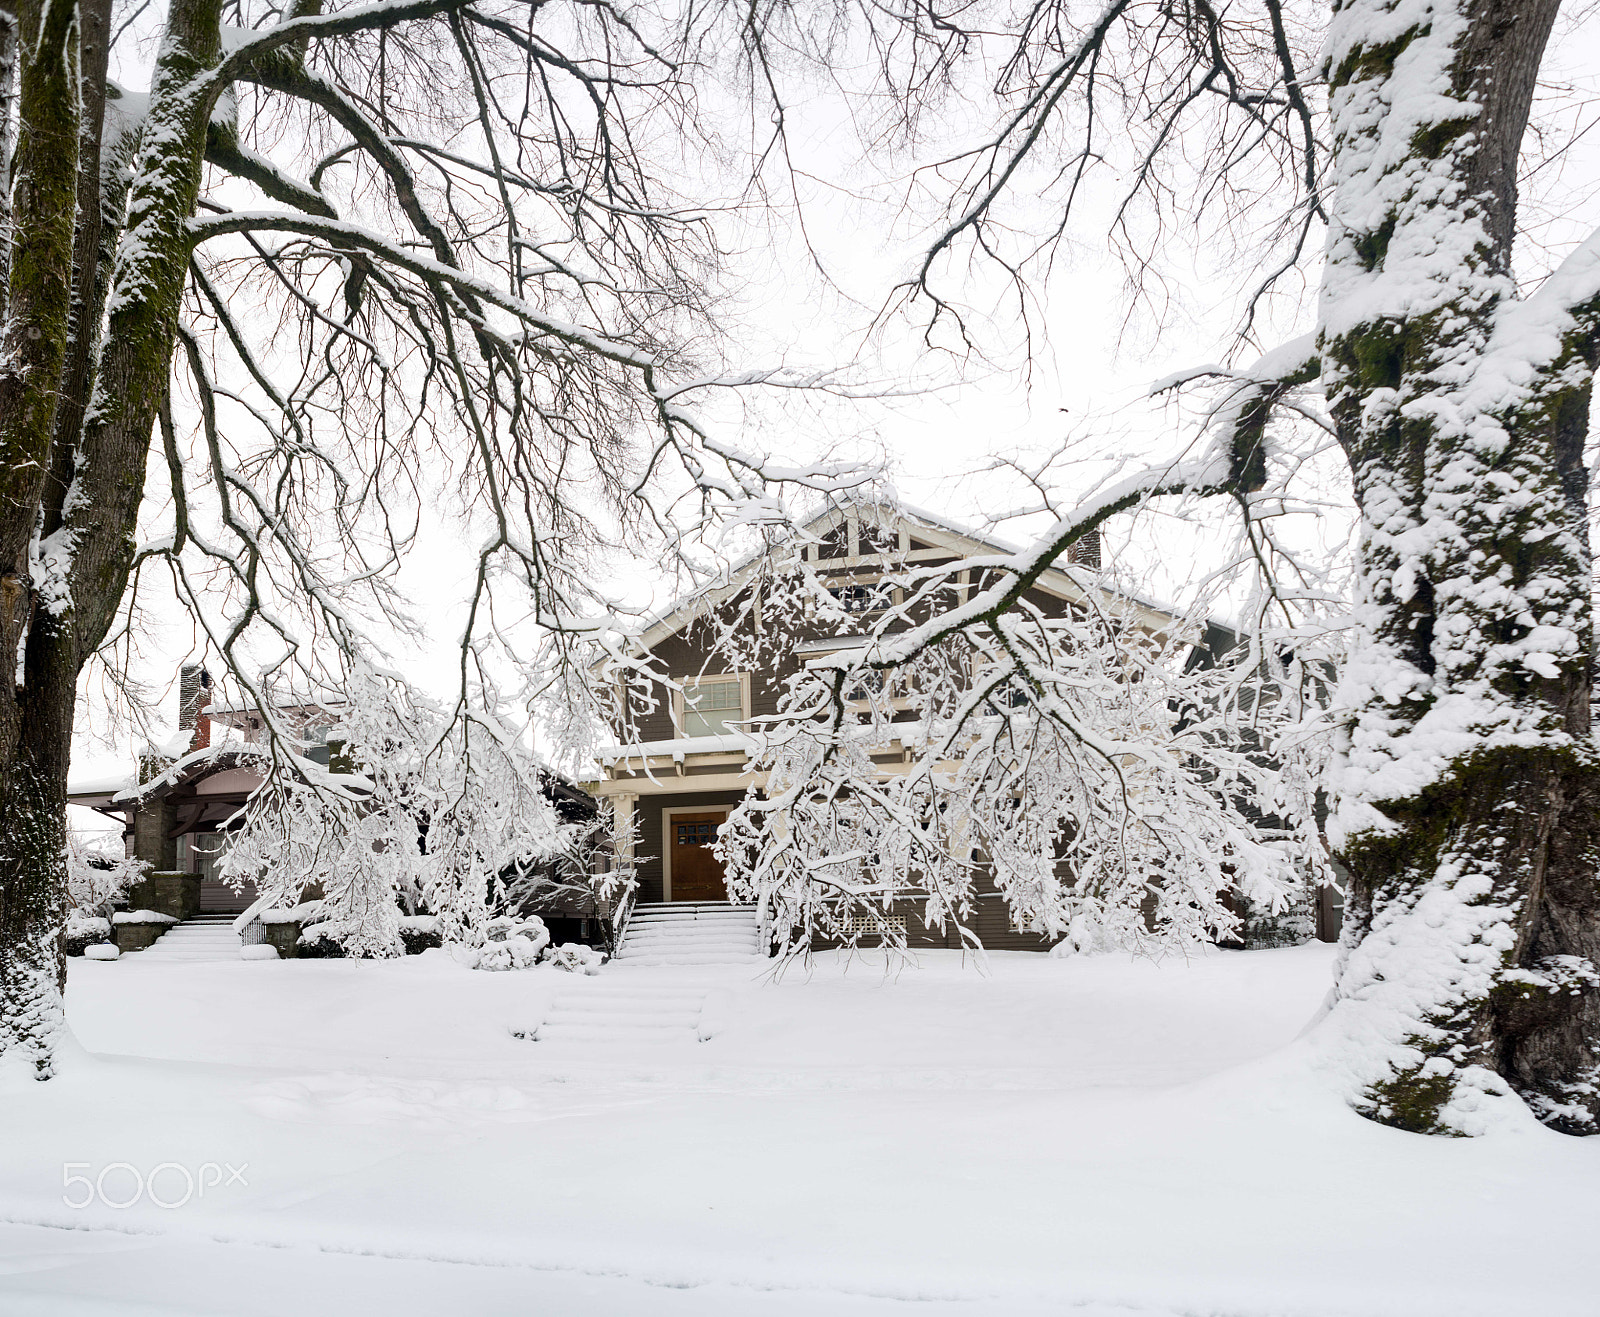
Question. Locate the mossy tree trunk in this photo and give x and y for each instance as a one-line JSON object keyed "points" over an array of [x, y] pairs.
{"points": [[1469, 783], [78, 400]]}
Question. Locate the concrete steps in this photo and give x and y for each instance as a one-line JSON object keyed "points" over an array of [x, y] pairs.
{"points": [[601, 1013], [203, 938], [690, 933]]}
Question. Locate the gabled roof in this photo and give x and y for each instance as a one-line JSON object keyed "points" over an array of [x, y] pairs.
{"points": [[1067, 582]]}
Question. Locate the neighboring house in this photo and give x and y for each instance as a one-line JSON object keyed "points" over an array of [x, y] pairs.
{"points": [[690, 768], [176, 810]]}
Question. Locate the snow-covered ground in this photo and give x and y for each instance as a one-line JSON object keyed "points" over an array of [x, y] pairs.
{"points": [[1100, 1135]]}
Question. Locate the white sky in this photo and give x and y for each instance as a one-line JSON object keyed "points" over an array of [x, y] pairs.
{"points": [[1090, 366]]}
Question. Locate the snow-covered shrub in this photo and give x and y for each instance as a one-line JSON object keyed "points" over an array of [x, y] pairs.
{"points": [[442, 806], [575, 958], [513, 953], [102, 951], [84, 931], [420, 933], [258, 951], [97, 878], [319, 943], [508, 943], [1291, 926]]}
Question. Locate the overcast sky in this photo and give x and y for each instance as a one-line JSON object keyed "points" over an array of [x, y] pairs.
{"points": [[1093, 354]]}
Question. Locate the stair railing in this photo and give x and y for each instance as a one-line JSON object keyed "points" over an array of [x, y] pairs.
{"points": [[621, 915], [248, 925]]}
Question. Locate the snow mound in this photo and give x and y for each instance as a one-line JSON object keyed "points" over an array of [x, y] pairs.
{"points": [[575, 958]]}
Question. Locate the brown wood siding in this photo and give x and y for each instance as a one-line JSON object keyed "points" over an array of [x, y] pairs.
{"points": [[918, 934], [992, 920]]}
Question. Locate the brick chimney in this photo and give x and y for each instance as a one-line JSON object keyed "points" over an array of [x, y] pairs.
{"points": [[1085, 552], [194, 695]]}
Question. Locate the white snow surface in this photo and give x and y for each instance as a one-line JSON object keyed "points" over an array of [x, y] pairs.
{"points": [[1096, 1135]]}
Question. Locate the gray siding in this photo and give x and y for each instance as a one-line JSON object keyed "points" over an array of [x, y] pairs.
{"points": [[689, 652]]}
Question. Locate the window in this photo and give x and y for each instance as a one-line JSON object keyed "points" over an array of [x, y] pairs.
{"points": [[835, 543], [207, 850], [868, 684], [315, 743], [862, 598], [711, 705], [1009, 697], [877, 539]]}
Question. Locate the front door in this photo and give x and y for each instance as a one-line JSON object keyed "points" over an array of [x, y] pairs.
{"points": [[696, 872]]}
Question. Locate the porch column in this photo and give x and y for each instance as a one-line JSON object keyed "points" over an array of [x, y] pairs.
{"points": [[622, 827]]}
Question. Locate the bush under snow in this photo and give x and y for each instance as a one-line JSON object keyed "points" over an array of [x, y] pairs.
{"points": [[575, 958], [84, 931], [508, 944]]}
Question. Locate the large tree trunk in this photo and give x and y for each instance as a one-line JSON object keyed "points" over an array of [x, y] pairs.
{"points": [[33, 774], [76, 416], [1469, 785]]}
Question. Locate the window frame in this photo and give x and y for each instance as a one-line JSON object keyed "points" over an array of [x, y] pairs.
{"points": [[680, 712]]}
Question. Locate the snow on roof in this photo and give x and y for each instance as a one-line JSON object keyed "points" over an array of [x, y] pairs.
{"points": [[680, 609], [732, 743], [103, 784], [281, 701], [180, 769]]}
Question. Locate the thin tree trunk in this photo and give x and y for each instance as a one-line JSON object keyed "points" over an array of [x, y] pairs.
{"points": [[8, 105]]}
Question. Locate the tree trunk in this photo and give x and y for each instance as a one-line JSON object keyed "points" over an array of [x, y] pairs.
{"points": [[75, 426], [1469, 788], [33, 772]]}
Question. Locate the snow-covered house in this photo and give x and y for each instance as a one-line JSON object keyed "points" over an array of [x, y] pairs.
{"points": [[675, 787], [174, 808], [177, 808]]}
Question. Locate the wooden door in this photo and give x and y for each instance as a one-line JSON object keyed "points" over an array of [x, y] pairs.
{"points": [[696, 872]]}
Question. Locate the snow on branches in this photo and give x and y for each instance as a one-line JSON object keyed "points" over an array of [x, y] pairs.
{"points": [[438, 810], [1076, 767], [96, 878]]}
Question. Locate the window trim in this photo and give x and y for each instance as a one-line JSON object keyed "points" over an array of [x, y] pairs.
{"points": [[743, 678]]}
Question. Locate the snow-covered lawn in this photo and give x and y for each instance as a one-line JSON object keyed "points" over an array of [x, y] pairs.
{"points": [[1100, 1135]]}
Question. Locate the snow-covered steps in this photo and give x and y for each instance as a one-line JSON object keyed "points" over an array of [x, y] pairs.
{"points": [[592, 1012], [203, 938], [686, 933]]}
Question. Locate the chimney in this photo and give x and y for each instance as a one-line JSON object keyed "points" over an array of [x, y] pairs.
{"points": [[194, 694], [1085, 552]]}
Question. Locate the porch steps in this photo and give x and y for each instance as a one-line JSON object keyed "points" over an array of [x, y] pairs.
{"points": [[688, 933], [203, 938], [602, 1013]]}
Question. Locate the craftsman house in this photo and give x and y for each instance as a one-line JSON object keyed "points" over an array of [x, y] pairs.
{"points": [[175, 810], [675, 787]]}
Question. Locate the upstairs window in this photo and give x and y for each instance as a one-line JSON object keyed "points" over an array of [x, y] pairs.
{"points": [[712, 705], [314, 743], [868, 684], [862, 598], [835, 543], [874, 540]]}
